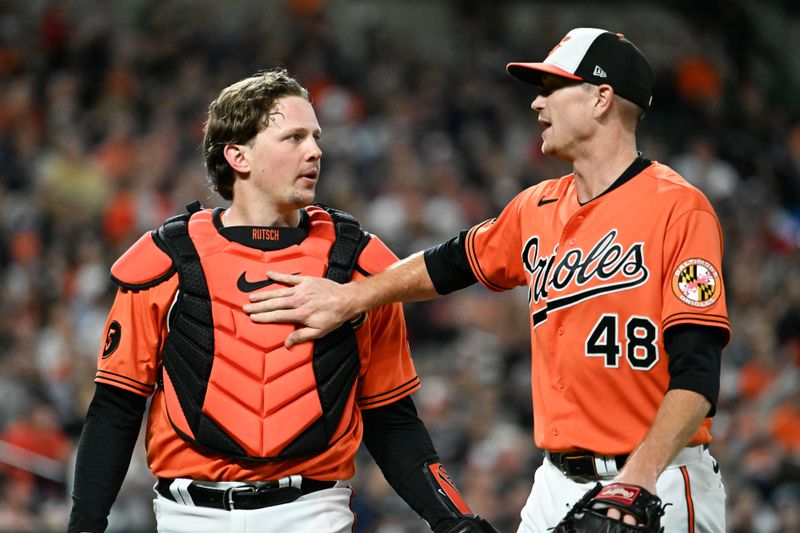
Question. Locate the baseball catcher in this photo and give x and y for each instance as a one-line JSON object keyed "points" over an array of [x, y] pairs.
{"points": [[589, 513], [243, 435]]}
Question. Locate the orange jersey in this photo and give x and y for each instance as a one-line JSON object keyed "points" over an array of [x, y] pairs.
{"points": [[131, 359], [605, 280]]}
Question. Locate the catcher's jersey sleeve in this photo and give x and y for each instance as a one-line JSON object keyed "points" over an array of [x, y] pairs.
{"points": [[388, 372], [135, 329]]}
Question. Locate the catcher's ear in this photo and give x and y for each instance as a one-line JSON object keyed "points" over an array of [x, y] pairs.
{"points": [[236, 156]]}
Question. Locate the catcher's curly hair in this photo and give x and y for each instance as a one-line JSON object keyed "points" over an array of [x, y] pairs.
{"points": [[237, 115]]}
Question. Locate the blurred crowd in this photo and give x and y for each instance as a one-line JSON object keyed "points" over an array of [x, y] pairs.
{"points": [[424, 134]]}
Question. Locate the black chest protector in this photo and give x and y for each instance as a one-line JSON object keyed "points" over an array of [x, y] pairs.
{"points": [[188, 354]]}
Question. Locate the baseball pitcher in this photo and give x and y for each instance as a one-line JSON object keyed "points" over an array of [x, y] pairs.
{"points": [[622, 263]]}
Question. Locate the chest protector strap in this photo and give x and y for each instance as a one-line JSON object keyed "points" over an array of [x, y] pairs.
{"points": [[189, 348]]}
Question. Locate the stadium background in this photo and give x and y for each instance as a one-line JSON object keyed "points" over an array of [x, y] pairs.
{"points": [[101, 109]]}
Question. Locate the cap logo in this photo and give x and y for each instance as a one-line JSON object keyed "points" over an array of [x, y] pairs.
{"points": [[600, 73], [556, 47]]}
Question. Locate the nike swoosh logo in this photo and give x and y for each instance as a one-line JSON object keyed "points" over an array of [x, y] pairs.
{"points": [[249, 286], [543, 201]]}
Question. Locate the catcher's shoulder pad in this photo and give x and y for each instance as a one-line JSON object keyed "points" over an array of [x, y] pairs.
{"points": [[143, 265], [376, 257]]}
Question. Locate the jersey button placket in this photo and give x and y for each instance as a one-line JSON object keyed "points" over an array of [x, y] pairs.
{"points": [[570, 227]]}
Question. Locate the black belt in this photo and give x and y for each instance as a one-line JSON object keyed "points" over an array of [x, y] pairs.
{"points": [[254, 495], [582, 466]]}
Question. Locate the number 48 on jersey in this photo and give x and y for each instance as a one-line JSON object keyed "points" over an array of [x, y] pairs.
{"points": [[640, 342]]}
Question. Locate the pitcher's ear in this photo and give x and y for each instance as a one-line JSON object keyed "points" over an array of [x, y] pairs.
{"points": [[605, 96]]}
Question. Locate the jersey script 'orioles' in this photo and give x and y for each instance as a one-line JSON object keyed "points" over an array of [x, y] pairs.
{"points": [[605, 281], [138, 326]]}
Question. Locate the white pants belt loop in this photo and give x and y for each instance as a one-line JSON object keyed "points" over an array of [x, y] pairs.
{"points": [[605, 465], [291, 481], [180, 491]]}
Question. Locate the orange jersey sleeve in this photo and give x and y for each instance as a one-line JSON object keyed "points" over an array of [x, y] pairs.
{"points": [[387, 372], [490, 244], [390, 373], [135, 330], [693, 289]]}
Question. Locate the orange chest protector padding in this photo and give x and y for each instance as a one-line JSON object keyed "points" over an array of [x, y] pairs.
{"points": [[231, 387]]}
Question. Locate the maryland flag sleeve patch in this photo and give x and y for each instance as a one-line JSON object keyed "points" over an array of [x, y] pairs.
{"points": [[696, 283]]}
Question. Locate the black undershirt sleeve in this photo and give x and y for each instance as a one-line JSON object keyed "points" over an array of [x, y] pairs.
{"points": [[448, 266], [104, 454], [695, 357], [401, 446]]}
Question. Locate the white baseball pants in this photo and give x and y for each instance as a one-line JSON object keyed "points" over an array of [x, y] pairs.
{"points": [[324, 511], [691, 484]]}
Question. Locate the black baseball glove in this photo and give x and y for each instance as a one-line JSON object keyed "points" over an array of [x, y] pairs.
{"points": [[589, 513]]}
